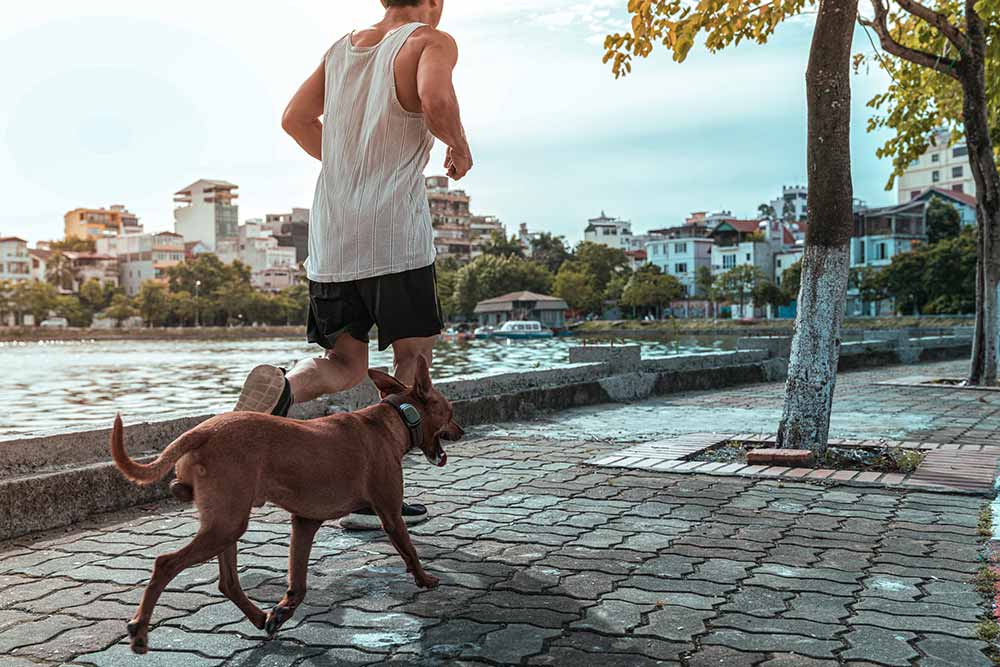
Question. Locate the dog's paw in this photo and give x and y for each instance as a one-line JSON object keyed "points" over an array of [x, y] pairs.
{"points": [[275, 620], [428, 581], [139, 638]]}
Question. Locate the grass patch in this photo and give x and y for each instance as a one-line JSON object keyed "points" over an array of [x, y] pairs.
{"points": [[985, 581], [987, 630], [985, 525], [884, 458]]}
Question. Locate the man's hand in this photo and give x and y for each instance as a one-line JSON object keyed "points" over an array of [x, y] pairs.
{"points": [[458, 164]]}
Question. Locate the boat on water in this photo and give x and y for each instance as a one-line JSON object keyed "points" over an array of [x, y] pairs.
{"points": [[521, 329]]}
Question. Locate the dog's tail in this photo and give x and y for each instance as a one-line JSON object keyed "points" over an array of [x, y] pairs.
{"points": [[146, 475]]}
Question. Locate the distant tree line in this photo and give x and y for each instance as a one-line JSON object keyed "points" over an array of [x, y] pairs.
{"points": [[201, 291]]}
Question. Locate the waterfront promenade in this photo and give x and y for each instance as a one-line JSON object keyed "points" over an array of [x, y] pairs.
{"points": [[546, 559]]}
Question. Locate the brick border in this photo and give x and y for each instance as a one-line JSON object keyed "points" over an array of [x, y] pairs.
{"points": [[950, 468], [930, 382]]}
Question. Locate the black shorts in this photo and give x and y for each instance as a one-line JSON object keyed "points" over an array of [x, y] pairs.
{"points": [[403, 305]]}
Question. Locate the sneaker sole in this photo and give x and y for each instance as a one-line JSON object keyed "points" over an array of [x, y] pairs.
{"points": [[371, 521], [262, 390]]}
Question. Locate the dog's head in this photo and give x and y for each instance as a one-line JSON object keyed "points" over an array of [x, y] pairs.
{"points": [[435, 410]]}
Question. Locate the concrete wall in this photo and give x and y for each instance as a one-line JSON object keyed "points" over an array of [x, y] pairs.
{"points": [[59, 479]]}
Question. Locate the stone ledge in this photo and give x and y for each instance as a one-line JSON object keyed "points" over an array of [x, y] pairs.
{"points": [[947, 468]]}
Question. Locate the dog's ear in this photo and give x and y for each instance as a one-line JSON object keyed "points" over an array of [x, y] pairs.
{"points": [[422, 378], [387, 385]]}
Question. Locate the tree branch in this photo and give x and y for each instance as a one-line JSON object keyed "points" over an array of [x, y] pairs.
{"points": [[880, 24], [939, 21]]}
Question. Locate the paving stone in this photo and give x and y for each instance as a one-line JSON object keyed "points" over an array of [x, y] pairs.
{"points": [[941, 651], [787, 626], [720, 656], [886, 647], [760, 601], [794, 660], [121, 654], [675, 623], [513, 643], [921, 624], [772, 643]]}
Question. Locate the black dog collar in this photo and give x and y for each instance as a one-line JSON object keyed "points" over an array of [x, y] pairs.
{"points": [[410, 416]]}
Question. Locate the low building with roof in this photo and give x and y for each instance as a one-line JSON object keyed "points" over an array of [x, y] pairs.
{"points": [[520, 306]]}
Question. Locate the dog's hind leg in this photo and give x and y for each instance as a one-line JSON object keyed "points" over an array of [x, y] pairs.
{"points": [[395, 528], [229, 585], [207, 544], [303, 534]]}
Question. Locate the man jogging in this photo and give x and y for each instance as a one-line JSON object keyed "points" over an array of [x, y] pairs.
{"points": [[370, 113]]}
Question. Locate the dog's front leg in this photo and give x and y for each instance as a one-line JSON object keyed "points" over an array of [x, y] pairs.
{"points": [[303, 534], [395, 528]]}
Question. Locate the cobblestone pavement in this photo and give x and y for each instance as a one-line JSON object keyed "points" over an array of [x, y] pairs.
{"points": [[546, 561]]}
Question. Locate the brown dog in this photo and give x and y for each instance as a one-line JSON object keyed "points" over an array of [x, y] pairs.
{"points": [[317, 470]]}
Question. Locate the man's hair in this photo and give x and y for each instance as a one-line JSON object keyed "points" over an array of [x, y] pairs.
{"points": [[400, 3]]}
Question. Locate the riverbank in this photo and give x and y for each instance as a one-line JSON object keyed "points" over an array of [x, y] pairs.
{"points": [[678, 327], [602, 328], [34, 334]]}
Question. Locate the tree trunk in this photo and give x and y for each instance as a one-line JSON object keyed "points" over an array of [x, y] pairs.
{"points": [[972, 70], [815, 353]]}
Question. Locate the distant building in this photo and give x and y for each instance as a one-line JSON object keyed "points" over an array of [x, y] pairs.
{"points": [[964, 203], [94, 223], [792, 205], [942, 166], [15, 262], [451, 219], [526, 237], [520, 306], [209, 213], [882, 233], [94, 266], [611, 232], [143, 257], [291, 230], [194, 248], [258, 250], [481, 230], [275, 280], [681, 257]]}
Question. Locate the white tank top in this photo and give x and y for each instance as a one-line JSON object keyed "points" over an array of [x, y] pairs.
{"points": [[370, 215]]}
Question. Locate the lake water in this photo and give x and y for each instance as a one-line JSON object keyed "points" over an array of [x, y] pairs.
{"points": [[46, 386]]}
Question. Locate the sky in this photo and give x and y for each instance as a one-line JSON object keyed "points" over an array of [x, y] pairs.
{"points": [[114, 102]]}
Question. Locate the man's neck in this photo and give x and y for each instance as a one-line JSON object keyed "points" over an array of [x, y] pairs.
{"points": [[397, 16]]}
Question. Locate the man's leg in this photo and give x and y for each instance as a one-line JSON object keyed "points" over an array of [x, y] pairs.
{"points": [[342, 368], [405, 353]]}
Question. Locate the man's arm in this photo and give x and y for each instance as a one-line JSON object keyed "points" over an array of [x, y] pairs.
{"points": [[301, 117], [439, 102]]}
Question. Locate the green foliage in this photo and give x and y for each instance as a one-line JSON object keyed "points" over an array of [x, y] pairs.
{"points": [[74, 245], [578, 288], [791, 280], [919, 99], [935, 279], [650, 288], [766, 292], [500, 246], [549, 250], [601, 262], [76, 314], [677, 24], [153, 303], [59, 271], [489, 276], [704, 283], [738, 283], [94, 296], [120, 309], [871, 284], [943, 220]]}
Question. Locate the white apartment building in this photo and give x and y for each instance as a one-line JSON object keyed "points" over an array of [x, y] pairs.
{"points": [[143, 257], [260, 251], [681, 258], [611, 232], [209, 213], [783, 260], [943, 166], [15, 262], [792, 205]]}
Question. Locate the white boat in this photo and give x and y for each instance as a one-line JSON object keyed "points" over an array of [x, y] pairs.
{"points": [[526, 329]]}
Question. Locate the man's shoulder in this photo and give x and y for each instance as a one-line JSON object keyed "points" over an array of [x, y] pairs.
{"points": [[436, 37]]}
